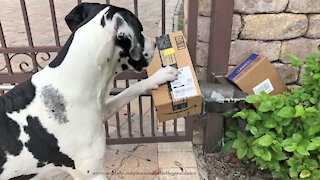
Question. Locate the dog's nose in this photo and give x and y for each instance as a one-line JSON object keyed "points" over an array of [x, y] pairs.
{"points": [[155, 45]]}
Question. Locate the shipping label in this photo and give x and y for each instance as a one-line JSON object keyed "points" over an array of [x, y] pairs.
{"points": [[184, 86]]}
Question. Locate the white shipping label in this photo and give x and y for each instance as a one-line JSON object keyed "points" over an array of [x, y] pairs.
{"points": [[265, 86], [184, 86]]}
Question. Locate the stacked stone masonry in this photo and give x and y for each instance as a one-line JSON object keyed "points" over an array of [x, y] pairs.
{"points": [[271, 28]]}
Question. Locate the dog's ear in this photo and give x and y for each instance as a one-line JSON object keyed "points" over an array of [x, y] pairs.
{"points": [[82, 12], [124, 32]]}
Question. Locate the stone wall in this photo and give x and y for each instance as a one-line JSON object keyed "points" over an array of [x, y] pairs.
{"points": [[273, 28]]}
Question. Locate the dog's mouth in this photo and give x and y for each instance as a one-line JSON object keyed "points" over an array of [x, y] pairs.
{"points": [[138, 65]]}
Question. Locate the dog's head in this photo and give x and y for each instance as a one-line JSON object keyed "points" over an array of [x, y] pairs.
{"points": [[134, 50]]}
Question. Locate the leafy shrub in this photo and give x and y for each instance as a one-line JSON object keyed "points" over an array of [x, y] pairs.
{"points": [[283, 131]]}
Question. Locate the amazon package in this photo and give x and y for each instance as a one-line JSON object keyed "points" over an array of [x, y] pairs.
{"points": [[181, 97], [255, 74]]}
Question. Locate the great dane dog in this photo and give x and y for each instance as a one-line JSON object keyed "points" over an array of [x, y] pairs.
{"points": [[53, 122]]}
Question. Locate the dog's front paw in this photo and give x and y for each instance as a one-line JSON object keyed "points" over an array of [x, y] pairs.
{"points": [[163, 75]]}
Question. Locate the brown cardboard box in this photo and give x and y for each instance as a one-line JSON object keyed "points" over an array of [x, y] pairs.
{"points": [[182, 97], [255, 74]]}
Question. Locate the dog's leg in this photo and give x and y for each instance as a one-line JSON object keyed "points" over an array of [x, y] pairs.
{"points": [[114, 104]]}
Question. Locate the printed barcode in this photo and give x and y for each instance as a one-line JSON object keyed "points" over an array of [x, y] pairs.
{"points": [[265, 86], [172, 59], [180, 42], [181, 91]]}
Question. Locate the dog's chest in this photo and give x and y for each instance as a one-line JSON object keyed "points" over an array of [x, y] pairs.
{"points": [[49, 130]]}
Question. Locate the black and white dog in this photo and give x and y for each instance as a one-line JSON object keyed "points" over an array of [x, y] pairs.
{"points": [[53, 122]]}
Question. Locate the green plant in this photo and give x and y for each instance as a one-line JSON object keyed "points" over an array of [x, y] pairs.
{"points": [[180, 25], [284, 130]]}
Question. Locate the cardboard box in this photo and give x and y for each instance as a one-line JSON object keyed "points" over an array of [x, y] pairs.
{"points": [[182, 97], [255, 74]]}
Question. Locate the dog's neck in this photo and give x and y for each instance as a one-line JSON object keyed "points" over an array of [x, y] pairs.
{"points": [[88, 69]]}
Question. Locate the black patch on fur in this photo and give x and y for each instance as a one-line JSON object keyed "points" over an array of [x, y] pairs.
{"points": [[119, 60], [121, 54], [103, 21], [55, 103], [83, 13], [138, 65], [40, 164], [15, 100], [128, 16], [23, 177], [124, 67], [62, 54], [44, 146]]}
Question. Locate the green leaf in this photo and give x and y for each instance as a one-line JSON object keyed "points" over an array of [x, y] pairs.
{"points": [[305, 173], [227, 146], [271, 123], [241, 152], [299, 110], [316, 139], [311, 109], [266, 156], [290, 148], [314, 100], [293, 57], [302, 150], [314, 129], [316, 76], [241, 114], [279, 129], [253, 130], [277, 148], [241, 136], [275, 165], [296, 138], [296, 63], [279, 156], [285, 122], [250, 153], [287, 142], [265, 140], [310, 121], [252, 98], [316, 173], [231, 135], [257, 151], [313, 146], [313, 56], [238, 144], [279, 102], [311, 164], [305, 143], [286, 112], [253, 117], [293, 172], [265, 106], [292, 162]]}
